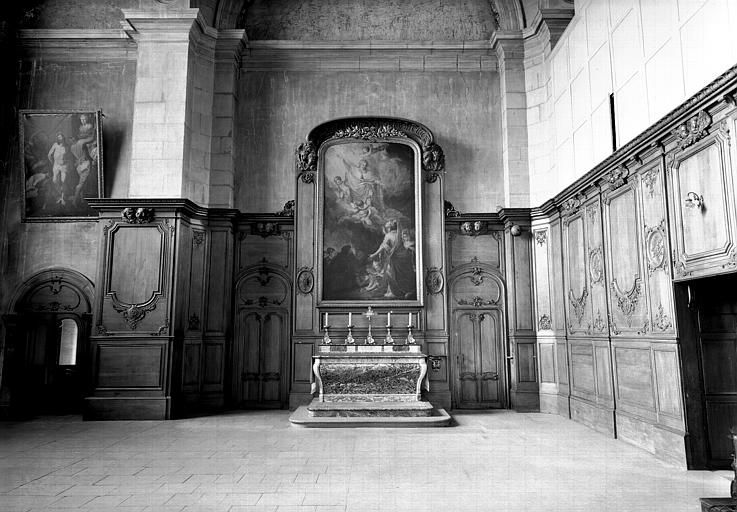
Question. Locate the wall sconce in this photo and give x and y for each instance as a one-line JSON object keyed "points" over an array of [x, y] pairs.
{"points": [[694, 200]]}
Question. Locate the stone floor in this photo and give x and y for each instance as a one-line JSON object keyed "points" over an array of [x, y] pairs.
{"points": [[257, 461]]}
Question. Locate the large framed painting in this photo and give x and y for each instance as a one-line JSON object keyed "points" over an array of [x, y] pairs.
{"points": [[61, 161], [369, 221]]}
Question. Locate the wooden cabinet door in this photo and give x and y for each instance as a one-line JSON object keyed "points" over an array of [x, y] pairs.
{"points": [[478, 365], [702, 207]]}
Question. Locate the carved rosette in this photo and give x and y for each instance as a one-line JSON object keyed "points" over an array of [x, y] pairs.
{"points": [[434, 280], [693, 130], [596, 265], [545, 323], [305, 280], [477, 276], [578, 304], [137, 215], [541, 236], [307, 161], [627, 301], [655, 240]]}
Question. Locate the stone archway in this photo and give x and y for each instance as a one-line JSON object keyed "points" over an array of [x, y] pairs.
{"points": [[46, 353]]}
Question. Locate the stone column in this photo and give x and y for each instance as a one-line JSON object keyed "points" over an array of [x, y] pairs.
{"points": [[158, 164], [510, 52]]}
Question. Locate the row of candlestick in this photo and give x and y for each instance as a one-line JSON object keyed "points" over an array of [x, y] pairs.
{"points": [[326, 323], [388, 339]]}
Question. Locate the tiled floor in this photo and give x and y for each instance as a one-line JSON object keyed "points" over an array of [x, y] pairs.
{"points": [[257, 461]]}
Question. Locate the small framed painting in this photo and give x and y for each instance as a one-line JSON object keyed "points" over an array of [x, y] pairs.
{"points": [[61, 162]]}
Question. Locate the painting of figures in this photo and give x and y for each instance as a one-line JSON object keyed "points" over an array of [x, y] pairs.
{"points": [[370, 224], [61, 158]]}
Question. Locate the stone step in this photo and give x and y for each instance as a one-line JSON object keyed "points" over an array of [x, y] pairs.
{"points": [[301, 418], [369, 409]]}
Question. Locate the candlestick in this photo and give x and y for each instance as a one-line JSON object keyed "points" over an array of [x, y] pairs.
{"points": [[326, 337], [389, 319], [409, 318], [388, 339], [326, 319], [349, 339], [350, 318], [410, 338]]}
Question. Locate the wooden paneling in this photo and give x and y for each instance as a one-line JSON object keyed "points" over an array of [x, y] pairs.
{"points": [[130, 366], [136, 263], [583, 380], [485, 248], [219, 284], [547, 362], [667, 374], [634, 376], [702, 205]]}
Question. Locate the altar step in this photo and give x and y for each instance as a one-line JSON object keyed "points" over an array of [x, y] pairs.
{"points": [[369, 414]]}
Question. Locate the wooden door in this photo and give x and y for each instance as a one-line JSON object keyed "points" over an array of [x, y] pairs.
{"points": [[717, 339], [52, 376], [260, 338], [478, 371]]}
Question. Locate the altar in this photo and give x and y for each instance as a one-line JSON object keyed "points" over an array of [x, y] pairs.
{"points": [[369, 383]]}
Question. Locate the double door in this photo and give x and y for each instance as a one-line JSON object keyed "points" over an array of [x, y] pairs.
{"points": [[478, 373], [259, 344]]}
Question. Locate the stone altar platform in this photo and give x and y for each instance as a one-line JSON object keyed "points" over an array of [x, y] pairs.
{"points": [[369, 386]]}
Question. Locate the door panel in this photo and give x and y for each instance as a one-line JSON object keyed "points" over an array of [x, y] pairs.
{"points": [[477, 337]]}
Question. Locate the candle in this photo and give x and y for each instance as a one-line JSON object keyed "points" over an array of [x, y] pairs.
{"points": [[350, 318], [409, 318], [326, 319], [389, 319]]}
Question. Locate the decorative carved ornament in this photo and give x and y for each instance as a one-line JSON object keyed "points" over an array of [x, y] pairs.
{"points": [[433, 162], [545, 323], [541, 236], [592, 211], [627, 300], [305, 280], [265, 229], [578, 304], [661, 320], [369, 132], [307, 161], [450, 210], [477, 276], [194, 323], [477, 302], [198, 237], [163, 329], [288, 210], [693, 201], [573, 204], [434, 280], [655, 247], [596, 265], [692, 130], [473, 228], [599, 324], [137, 215], [134, 313], [264, 276], [617, 177], [102, 330], [649, 179], [263, 302]]}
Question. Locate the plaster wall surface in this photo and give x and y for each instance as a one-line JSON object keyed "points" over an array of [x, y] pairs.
{"points": [[651, 54], [276, 111]]}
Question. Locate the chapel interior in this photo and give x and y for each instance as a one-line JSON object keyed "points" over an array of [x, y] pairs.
{"points": [[180, 179]]}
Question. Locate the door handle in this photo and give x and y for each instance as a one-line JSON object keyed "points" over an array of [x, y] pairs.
{"points": [[510, 357]]}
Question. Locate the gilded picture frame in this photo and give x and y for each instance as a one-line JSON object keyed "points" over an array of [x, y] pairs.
{"points": [[369, 222], [61, 162]]}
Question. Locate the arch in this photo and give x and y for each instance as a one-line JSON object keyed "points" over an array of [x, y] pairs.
{"points": [[59, 285], [480, 272]]}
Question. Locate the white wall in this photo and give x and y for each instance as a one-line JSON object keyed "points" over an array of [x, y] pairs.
{"points": [[652, 54]]}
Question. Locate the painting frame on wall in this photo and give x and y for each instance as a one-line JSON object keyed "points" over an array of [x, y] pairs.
{"points": [[369, 222], [61, 162]]}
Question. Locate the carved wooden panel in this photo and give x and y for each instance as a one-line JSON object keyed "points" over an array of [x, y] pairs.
{"points": [[702, 206], [254, 248], [484, 248], [558, 308], [604, 393], [547, 362], [668, 378], [191, 366], [583, 379], [577, 286], [634, 377], [477, 287], [130, 366], [213, 371], [136, 270], [627, 307], [219, 281]]}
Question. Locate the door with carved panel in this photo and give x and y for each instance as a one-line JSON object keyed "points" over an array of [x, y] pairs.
{"points": [[478, 384], [261, 334], [478, 364]]}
